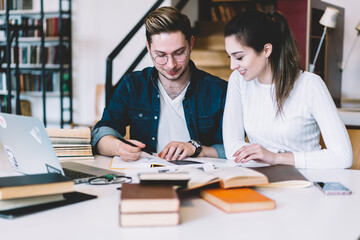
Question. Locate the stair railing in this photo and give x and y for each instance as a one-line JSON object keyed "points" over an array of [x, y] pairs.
{"points": [[109, 87]]}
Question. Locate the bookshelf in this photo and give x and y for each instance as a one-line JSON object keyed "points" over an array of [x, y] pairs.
{"points": [[303, 18], [37, 44], [225, 10]]}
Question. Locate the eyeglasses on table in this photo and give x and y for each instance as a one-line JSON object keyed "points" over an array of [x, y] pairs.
{"points": [[109, 179]]}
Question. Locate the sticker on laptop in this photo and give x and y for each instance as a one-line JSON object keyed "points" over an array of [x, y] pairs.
{"points": [[3, 122], [51, 169], [35, 132], [11, 157]]}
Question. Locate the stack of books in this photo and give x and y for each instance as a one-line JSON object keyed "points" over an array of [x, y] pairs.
{"points": [[148, 205], [18, 192], [71, 144]]}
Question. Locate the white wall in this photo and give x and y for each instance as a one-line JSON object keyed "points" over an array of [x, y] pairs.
{"points": [[98, 26], [351, 74]]}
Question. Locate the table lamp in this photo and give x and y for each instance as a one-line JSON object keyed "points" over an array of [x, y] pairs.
{"points": [[328, 20], [343, 64]]}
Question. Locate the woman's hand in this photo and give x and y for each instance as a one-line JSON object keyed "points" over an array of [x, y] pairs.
{"points": [[258, 153]]}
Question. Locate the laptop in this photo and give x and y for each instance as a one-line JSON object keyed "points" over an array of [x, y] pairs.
{"points": [[30, 151]]}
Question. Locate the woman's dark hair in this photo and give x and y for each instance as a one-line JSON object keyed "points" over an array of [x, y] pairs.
{"points": [[255, 29]]}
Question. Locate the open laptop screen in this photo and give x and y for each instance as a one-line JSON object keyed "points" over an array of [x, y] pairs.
{"points": [[27, 145]]}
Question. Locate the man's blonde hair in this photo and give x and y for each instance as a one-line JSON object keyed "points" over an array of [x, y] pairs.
{"points": [[167, 20]]}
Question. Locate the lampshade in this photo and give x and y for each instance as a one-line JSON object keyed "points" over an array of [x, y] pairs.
{"points": [[329, 17], [343, 63]]}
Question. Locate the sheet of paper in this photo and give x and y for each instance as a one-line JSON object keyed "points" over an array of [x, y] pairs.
{"points": [[222, 162], [146, 161]]}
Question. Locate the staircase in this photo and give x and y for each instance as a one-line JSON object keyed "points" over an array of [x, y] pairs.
{"points": [[209, 49]]}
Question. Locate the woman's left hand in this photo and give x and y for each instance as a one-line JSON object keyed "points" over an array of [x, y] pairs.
{"points": [[258, 153], [254, 152]]}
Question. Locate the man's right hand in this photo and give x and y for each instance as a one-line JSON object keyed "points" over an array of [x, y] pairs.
{"points": [[111, 146]]}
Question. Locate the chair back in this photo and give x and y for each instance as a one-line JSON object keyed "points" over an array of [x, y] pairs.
{"points": [[354, 135]]}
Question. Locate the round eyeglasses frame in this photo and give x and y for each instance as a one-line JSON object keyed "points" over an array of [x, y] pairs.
{"points": [[162, 60]]}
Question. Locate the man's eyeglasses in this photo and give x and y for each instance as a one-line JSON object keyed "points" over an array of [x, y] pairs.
{"points": [[109, 179], [162, 60]]}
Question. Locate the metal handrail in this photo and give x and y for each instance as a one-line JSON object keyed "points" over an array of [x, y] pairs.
{"points": [[109, 60]]}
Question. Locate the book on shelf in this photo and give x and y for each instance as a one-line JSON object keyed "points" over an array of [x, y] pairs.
{"points": [[31, 82], [17, 4], [148, 205], [222, 12], [139, 198], [34, 185], [214, 14], [223, 16], [52, 29], [237, 199], [29, 201]]}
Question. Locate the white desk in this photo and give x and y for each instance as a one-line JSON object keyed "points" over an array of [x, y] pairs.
{"points": [[350, 116], [300, 214]]}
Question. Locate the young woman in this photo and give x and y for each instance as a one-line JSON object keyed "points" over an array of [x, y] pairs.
{"points": [[279, 107]]}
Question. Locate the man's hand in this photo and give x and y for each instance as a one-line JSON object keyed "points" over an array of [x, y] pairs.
{"points": [[177, 151], [111, 146]]}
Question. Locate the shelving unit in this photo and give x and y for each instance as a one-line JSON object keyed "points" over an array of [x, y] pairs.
{"points": [[303, 18], [224, 10], [37, 44]]}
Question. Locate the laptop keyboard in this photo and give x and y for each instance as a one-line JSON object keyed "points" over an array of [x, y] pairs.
{"points": [[76, 174]]}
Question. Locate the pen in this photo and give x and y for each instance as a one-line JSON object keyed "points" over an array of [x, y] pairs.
{"points": [[133, 145]]}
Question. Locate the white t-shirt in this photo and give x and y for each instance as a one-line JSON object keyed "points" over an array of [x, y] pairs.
{"points": [[251, 107], [172, 123]]}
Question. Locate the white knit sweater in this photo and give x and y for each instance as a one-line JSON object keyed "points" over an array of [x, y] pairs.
{"points": [[251, 108]]}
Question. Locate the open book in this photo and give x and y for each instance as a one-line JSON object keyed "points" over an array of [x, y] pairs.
{"points": [[283, 176], [228, 177]]}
